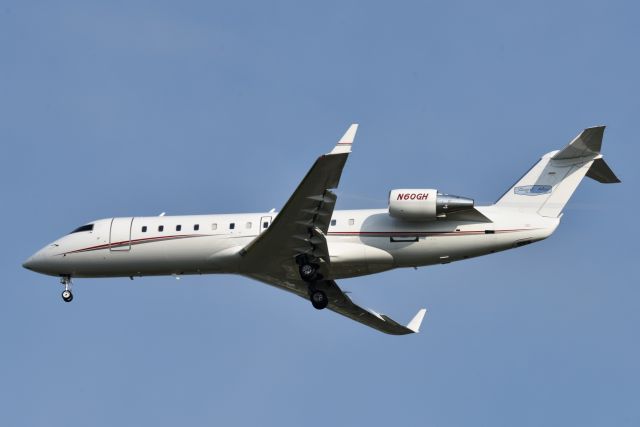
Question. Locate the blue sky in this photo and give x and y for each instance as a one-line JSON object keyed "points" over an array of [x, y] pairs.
{"points": [[135, 108]]}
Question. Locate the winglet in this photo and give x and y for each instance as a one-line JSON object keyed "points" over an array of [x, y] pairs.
{"points": [[344, 145], [415, 323]]}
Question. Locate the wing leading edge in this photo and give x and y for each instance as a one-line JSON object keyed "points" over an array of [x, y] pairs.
{"points": [[300, 229]]}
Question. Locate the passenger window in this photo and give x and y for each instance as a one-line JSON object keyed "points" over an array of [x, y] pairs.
{"points": [[265, 224], [352, 221], [178, 227], [196, 227], [232, 226], [214, 226], [144, 228], [161, 228], [333, 222], [249, 224]]}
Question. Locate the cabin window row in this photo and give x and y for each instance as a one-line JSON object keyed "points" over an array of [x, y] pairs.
{"points": [[196, 227], [214, 226], [232, 226]]}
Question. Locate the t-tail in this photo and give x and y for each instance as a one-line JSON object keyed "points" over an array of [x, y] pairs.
{"points": [[548, 185]]}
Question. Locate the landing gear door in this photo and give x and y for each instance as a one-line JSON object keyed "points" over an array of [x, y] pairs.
{"points": [[265, 222], [120, 234]]}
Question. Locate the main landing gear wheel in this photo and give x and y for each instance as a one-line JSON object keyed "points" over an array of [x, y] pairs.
{"points": [[319, 300], [308, 272], [67, 296]]}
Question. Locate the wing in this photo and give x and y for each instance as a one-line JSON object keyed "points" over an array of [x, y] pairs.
{"points": [[300, 230], [300, 227], [340, 303]]}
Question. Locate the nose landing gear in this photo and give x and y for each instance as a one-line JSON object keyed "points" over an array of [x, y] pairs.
{"points": [[67, 296]]}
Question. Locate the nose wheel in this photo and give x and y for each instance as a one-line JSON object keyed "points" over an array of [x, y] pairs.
{"points": [[67, 295]]}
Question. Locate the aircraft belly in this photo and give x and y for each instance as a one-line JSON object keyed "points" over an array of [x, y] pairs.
{"points": [[351, 258]]}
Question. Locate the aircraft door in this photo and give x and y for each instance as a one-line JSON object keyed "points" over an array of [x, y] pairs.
{"points": [[120, 234], [265, 222]]}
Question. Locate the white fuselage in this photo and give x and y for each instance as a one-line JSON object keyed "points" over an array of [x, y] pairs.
{"points": [[309, 245], [360, 242]]}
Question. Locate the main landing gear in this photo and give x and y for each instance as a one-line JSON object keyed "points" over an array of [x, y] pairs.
{"points": [[319, 299], [309, 273], [67, 296]]}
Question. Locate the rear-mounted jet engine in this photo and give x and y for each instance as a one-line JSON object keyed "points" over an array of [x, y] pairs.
{"points": [[425, 204]]}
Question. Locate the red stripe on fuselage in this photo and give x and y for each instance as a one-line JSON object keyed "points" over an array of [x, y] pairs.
{"points": [[331, 233], [134, 242]]}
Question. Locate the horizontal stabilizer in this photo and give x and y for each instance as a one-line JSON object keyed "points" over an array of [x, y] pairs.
{"points": [[601, 172], [587, 144]]}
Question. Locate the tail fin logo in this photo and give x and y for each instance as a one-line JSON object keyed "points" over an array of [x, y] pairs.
{"points": [[532, 190]]}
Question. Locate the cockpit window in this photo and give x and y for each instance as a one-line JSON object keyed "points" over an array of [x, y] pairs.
{"points": [[88, 227]]}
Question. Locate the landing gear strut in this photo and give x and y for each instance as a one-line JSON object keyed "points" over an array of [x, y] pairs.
{"points": [[67, 296]]}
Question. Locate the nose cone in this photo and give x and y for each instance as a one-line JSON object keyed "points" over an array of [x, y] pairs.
{"points": [[29, 263], [38, 262]]}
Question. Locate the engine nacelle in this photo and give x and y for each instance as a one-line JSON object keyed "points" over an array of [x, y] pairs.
{"points": [[424, 204]]}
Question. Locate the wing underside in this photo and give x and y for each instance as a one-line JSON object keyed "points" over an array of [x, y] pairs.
{"points": [[340, 303], [299, 231]]}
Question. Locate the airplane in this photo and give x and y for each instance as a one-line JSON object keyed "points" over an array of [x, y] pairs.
{"points": [[308, 245]]}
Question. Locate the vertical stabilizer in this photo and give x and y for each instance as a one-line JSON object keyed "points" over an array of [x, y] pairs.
{"points": [[548, 185]]}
